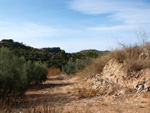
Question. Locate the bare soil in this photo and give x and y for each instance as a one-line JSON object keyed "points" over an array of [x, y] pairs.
{"points": [[59, 94]]}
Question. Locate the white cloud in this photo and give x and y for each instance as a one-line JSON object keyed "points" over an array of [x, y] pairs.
{"points": [[113, 28], [36, 35], [105, 6], [24, 30], [129, 11], [134, 16], [32, 30]]}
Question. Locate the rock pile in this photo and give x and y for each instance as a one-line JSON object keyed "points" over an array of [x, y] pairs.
{"points": [[142, 86]]}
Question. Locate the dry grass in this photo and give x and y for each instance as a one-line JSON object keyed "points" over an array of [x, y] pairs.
{"points": [[7, 103], [134, 58], [44, 107], [129, 90], [129, 56], [86, 92], [105, 89], [53, 71], [95, 67], [127, 53], [17, 105], [103, 104], [146, 95]]}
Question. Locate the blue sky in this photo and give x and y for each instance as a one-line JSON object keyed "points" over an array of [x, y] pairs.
{"points": [[74, 25]]}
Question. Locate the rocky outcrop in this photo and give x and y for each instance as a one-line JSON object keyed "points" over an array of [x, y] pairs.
{"points": [[115, 72], [142, 86]]}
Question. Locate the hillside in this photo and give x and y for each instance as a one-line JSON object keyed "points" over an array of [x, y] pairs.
{"points": [[34, 54], [96, 51], [128, 67], [53, 57]]}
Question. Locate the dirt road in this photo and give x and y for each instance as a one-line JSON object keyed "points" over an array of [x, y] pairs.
{"points": [[59, 94]]}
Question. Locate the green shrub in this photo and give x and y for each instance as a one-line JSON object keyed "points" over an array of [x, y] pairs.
{"points": [[91, 54], [96, 66], [36, 72], [12, 72], [74, 65], [16, 73]]}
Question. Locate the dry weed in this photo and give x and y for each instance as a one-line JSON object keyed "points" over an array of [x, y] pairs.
{"points": [[95, 67], [146, 95], [129, 90], [53, 71], [130, 57], [86, 92]]}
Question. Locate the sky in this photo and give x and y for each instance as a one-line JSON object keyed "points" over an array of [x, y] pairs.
{"points": [[74, 25]]}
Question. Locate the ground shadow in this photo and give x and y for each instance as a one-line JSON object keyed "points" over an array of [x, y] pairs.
{"points": [[34, 100], [57, 78], [44, 96], [50, 85]]}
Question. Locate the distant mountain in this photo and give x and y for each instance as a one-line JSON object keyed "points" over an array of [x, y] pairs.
{"points": [[9, 43], [97, 51]]}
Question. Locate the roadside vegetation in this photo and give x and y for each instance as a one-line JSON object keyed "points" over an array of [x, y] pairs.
{"points": [[96, 65], [16, 74], [133, 57], [74, 66]]}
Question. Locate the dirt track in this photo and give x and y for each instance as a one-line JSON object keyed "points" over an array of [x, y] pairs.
{"points": [[59, 92]]}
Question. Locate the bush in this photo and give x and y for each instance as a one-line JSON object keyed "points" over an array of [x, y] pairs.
{"points": [[12, 72], [134, 58], [91, 54], [53, 71], [74, 65], [127, 53], [96, 66], [16, 73], [100, 62], [36, 72], [85, 92]]}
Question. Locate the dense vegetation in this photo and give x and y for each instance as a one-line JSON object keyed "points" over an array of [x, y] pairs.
{"points": [[74, 66], [22, 65], [16, 74], [94, 51], [53, 57]]}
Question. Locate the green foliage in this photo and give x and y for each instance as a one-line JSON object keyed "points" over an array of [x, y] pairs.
{"points": [[53, 50], [12, 72], [8, 40], [53, 57], [16, 74], [74, 65], [91, 54], [96, 66], [36, 72]]}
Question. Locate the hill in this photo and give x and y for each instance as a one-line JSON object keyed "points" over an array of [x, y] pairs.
{"points": [[54, 57], [123, 70], [96, 51]]}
